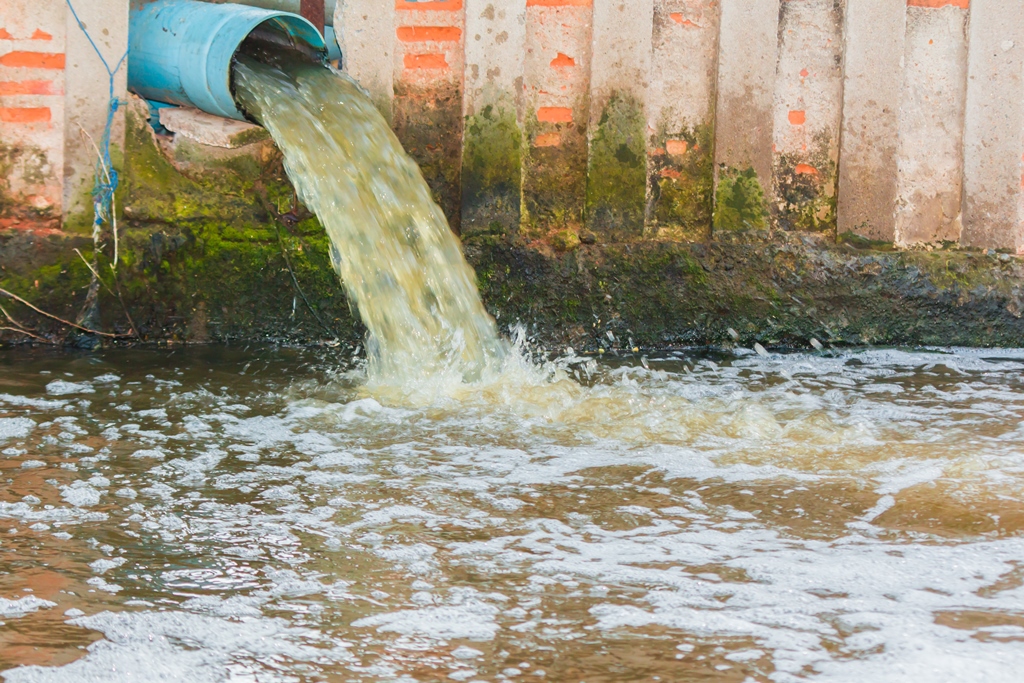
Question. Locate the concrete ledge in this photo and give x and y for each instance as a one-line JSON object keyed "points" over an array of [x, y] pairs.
{"points": [[207, 129]]}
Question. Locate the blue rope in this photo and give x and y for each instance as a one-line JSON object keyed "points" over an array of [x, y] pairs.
{"points": [[103, 188]]}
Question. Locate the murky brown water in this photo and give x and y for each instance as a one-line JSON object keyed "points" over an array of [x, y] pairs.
{"points": [[255, 515]]}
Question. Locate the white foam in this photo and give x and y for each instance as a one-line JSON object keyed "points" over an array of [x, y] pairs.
{"points": [[15, 428], [473, 621], [23, 606], [183, 647], [60, 387]]}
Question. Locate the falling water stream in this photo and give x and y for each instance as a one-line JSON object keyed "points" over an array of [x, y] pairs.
{"points": [[401, 265], [450, 509]]}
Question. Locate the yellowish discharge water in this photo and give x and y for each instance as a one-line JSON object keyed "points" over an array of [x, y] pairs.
{"points": [[400, 263]]}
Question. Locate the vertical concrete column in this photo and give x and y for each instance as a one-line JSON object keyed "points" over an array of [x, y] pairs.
{"points": [[429, 59], [872, 92], [808, 114], [32, 82], [557, 73], [994, 126], [747, 59], [365, 30], [680, 123], [87, 100], [619, 75], [492, 140], [931, 122]]}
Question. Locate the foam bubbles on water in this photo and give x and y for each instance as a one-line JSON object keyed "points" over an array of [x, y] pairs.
{"points": [[15, 428], [849, 517], [22, 606]]}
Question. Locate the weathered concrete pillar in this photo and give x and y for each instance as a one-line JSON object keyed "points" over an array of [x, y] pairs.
{"points": [[930, 154], [557, 72], [88, 99], [32, 82], [429, 59], [747, 59], [872, 92], [808, 114], [619, 73], [493, 142], [365, 30], [994, 126], [680, 110]]}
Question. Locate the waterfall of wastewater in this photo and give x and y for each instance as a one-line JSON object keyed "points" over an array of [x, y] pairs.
{"points": [[401, 266]]}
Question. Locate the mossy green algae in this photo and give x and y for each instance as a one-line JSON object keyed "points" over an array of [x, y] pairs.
{"points": [[617, 172], [492, 170]]}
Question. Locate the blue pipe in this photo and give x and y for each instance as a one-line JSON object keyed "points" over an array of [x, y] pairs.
{"points": [[180, 51]]}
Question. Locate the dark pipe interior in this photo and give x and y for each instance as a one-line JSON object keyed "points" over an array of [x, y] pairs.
{"points": [[270, 43]]}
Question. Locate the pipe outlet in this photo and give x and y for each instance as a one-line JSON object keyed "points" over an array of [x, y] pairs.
{"points": [[181, 51]]}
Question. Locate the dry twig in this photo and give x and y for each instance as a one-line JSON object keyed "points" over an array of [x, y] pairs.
{"points": [[62, 320]]}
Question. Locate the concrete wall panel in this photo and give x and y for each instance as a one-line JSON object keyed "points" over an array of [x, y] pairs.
{"points": [[429, 59], [747, 59], [808, 114], [623, 118], [366, 35], [680, 109], [619, 80], [994, 126], [32, 83], [872, 92], [493, 140], [557, 111], [931, 124], [87, 98]]}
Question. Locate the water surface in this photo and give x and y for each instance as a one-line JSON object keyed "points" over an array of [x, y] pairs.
{"points": [[258, 515]]}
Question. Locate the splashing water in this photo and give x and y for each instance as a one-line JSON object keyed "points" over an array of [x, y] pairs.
{"points": [[400, 263]]}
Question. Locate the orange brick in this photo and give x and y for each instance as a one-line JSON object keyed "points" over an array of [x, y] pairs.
{"points": [[27, 88], [563, 60], [422, 34], [33, 60], [427, 61], [431, 6], [676, 147], [678, 18], [554, 114], [558, 3], [798, 118], [548, 140], [805, 169], [24, 114], [40, 34], [935, 4]]}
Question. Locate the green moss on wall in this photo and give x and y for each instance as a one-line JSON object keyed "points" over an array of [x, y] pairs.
{"points": [[682, 184], [156, 191], [554, 177], [617, 171], [491, 170], [740, 201], [805, 188]]}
